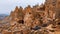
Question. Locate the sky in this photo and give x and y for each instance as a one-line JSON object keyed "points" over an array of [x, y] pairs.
{"points": [[6, 6]]}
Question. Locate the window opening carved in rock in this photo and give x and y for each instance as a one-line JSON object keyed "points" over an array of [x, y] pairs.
{"points": [[21, 22]]}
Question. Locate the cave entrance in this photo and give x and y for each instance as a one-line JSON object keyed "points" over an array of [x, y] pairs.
{"points": [[21, 21], [58, 23]]}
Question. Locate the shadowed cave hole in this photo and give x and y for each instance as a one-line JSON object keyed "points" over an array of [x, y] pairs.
{"points": [[59, 23], [53, 27], [21, 22], [51, 30], [29, 12]]}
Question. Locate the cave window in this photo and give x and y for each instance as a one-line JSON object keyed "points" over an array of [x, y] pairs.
{"points": [[51, 30], [53, 27], [29, 12], [21, 22], [58, 23]]}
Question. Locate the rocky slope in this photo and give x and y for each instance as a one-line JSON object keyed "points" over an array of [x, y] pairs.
{"points": [[39, 19]]}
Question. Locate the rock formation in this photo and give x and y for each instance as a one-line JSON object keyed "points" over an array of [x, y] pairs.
{"points": [[39, 19]]}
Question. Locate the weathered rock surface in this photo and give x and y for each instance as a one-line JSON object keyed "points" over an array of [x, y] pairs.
{"points": [[43, 19]]}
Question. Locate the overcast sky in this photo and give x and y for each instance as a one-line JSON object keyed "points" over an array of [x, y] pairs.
{"points": [[6, 6]]}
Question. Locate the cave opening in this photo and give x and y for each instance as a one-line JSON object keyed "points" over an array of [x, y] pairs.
{"points": [[58, 23], [21, 21], [51, 30]]}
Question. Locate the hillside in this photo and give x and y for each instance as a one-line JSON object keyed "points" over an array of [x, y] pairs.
{"points": [[2, 16], [39, 19]]}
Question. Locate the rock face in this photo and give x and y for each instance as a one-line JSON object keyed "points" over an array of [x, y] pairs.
{"points": [[43, 19]]}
